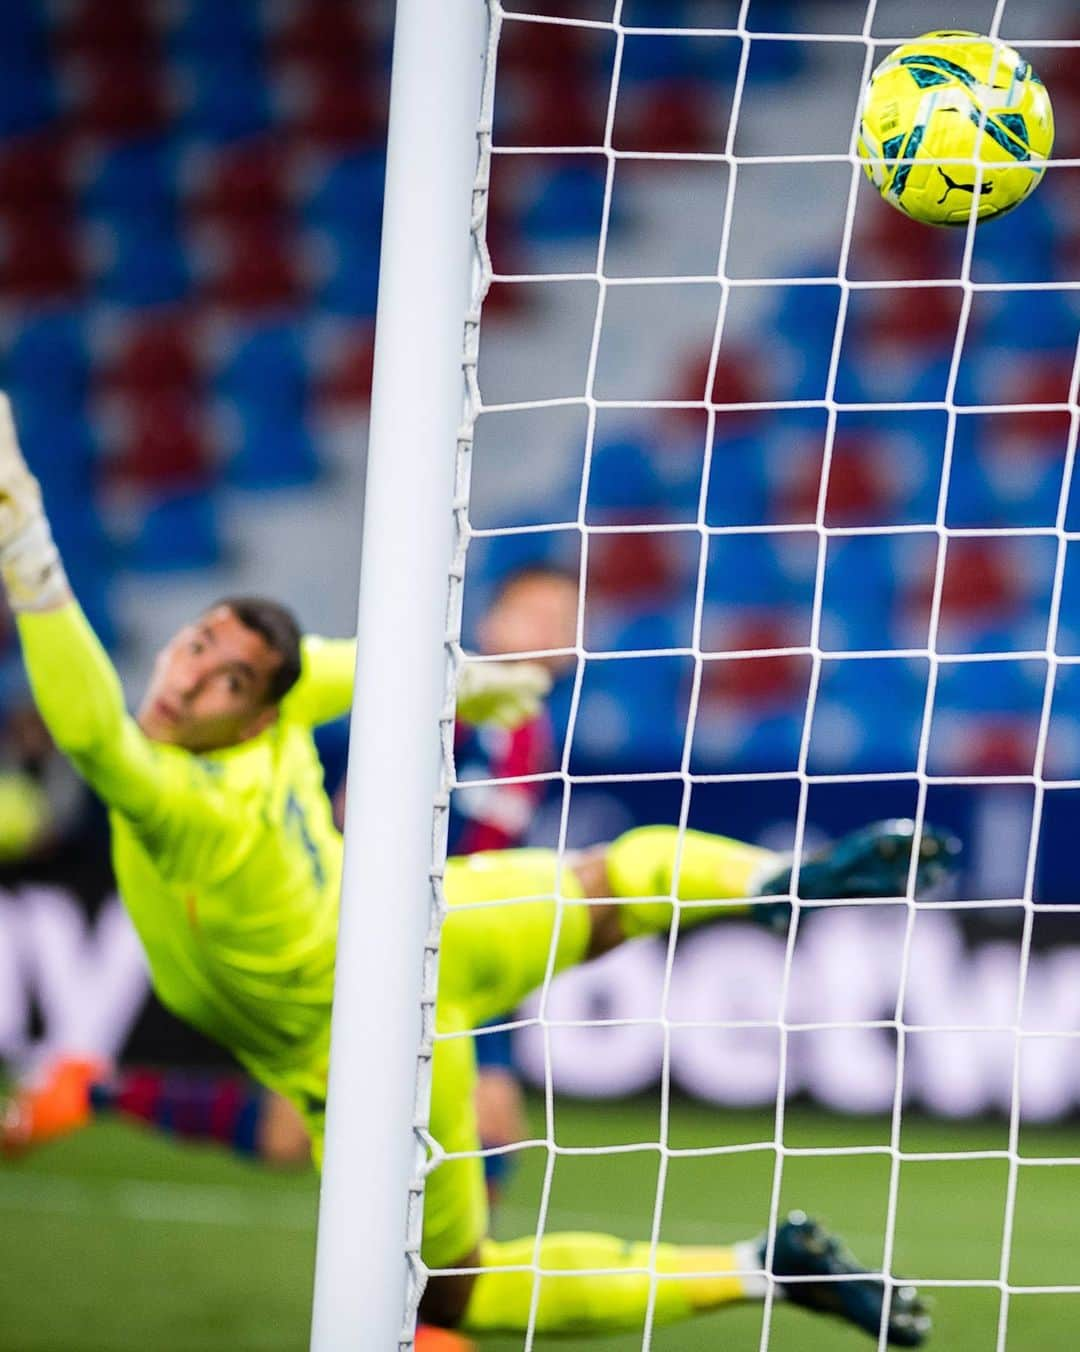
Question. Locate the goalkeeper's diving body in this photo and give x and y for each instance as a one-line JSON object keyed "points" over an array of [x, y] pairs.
{"points": [[229, 864]]}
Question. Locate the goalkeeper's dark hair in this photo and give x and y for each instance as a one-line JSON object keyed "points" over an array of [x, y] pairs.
{"points": [[279, 628]]}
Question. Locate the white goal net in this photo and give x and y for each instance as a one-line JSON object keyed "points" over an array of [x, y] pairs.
{"points": [[812, 466]]}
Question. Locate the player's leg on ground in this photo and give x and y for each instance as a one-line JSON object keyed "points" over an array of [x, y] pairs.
{"points": [[221, 1108], [225, 1109], [596, 1283]]}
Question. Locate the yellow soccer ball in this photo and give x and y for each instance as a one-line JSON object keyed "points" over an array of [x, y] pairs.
{"points": [[958, 97]]}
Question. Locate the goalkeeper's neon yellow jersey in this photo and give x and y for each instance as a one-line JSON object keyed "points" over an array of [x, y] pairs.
{"points": [[229, 863]]}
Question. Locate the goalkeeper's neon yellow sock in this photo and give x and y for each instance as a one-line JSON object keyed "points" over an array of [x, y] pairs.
{"points": [[642, 863], [588, 1300]]}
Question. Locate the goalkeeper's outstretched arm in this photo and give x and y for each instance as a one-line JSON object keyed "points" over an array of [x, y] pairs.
{"points": [[506, 693], [75, 685]]}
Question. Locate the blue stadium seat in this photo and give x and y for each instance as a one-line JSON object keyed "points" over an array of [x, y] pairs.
{"points": [[1026, 255], [179, 531], [27, 97], [147, 266], [978, 376], [137, 180], [761, 570], [86, 550], [1034, 320], [207, 28], [275, 450], [738, 491], [1063, 741], [59, 447], [771, 62], [567, 203], [990, 687], [352, 284], [48, 360], [752, 742], [266, 369], [628, 712], [1024, 492], [916, 375], [654, 630], [850, 734], [350, 195], [622, 480], [1069, 627], [807, 314], [858, 598], [647, 57], [26, 43], [910, 440], [228, 100]]}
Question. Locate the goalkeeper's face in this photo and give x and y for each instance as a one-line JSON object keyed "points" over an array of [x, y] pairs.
{"points": [[210, 685]]}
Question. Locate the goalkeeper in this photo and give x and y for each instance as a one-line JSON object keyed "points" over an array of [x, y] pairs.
{"points": [[229, 864]]}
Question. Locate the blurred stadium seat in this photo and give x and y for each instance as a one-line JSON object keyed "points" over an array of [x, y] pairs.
{"points": [[189, 235]]}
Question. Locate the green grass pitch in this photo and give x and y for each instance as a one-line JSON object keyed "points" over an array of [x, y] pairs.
{"points": [[118, 1241]]}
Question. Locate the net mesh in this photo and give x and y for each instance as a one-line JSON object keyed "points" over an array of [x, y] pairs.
{"points": [[746, 27]]}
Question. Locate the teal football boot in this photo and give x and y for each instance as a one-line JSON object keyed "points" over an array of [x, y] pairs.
{"points": [[873, 861], [805, 1251]]}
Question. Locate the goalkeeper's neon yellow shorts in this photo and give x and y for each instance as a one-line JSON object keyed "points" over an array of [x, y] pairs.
{"points": [[491, 958]]}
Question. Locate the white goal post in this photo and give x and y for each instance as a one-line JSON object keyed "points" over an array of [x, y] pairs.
{"points": [[367, 1245]]}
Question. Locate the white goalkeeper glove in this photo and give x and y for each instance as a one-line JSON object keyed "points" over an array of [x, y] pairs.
{"points": [[506, 693], [29, 562]]}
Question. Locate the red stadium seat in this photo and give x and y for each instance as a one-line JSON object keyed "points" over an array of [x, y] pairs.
{"points": [[979, 582], [346, 383], [755, 681], [326, 34], [335, 114], [630, 565], [118, 28], [40, 259], [668, 119], [893, 319], [1042, 379], [978, 578], [258, 267], [556, 115], [35, 174], [245, 181], [165, 443], [155, 356], [120, 98], [857, 493], [736, 380], [885, 247], [998, 745], [560, 52]]}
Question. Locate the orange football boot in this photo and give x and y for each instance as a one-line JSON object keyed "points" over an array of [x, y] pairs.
{"points": [[431, 1339], [51, 1104]]}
